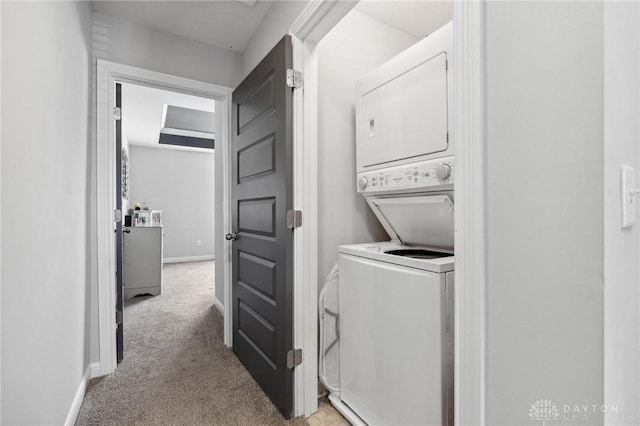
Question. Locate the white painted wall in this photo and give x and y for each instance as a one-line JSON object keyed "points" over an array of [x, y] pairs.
{"points": [[621, 247], [356, 45], [0, 213], [181, 184], [45, 200], [130, 44], [274, 26], [544, 208]]}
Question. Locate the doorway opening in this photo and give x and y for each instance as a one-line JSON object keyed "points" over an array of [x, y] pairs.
{"points": [[370, 35], [166, 172], [467, 130], [138, 79]]}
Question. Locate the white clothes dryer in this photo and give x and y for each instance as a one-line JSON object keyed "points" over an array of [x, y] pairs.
{"points": [[404, 107]]}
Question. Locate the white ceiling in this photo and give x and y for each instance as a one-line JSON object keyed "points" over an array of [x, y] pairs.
{"points": [[418, 17], [231, 24], [222, 23], [142, 109]]}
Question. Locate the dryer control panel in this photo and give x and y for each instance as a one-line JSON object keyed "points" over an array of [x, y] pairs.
{"points": [[430, 175]]}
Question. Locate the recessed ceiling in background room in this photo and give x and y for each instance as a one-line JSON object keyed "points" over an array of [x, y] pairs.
{"points": [[418, 18], [225, 24], [142, 111]]}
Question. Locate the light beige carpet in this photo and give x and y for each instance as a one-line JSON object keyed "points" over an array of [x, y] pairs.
{"points": [[176, 370]]}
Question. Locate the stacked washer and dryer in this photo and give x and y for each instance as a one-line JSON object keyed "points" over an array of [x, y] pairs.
{"points": [[396, 298]]}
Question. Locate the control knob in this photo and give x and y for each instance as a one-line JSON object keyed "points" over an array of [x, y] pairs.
{"points": [[443, 171], [362, 182]]}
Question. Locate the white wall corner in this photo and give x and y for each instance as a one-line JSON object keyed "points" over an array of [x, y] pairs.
{"points": [[0, 212], [219, 306], [95, 370], [319, 17], [79, 397]]}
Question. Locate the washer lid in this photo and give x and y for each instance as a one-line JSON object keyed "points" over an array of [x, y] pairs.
{"points": [[425, 220]]}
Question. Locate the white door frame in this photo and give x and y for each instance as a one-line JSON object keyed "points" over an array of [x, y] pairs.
{"points": [[469, 134], [107, 74], [0, 214], [315, 22]]}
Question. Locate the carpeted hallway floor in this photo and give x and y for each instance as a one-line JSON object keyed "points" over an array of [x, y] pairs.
{"points": [[176, 369]]}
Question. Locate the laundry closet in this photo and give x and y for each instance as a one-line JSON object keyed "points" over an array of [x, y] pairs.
{"points": [[386, 175]]}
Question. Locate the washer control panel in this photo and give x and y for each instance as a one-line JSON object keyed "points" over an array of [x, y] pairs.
{"points": [[425, 174]]}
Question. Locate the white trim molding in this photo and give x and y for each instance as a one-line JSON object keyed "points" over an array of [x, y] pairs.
{"points": [[95, 370], [470, 137], [218, 305], [0, 214], [108, 73], [315, 21], [319, 17], [77, 399], [188, 259]]}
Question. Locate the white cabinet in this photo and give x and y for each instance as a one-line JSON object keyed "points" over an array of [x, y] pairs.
{"points": [[142, 260]]}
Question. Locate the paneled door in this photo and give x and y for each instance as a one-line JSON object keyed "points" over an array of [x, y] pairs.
{"points": [[261, 196]]}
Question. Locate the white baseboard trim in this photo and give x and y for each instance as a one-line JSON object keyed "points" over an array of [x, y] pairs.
{"points": [[77, 400], [346, 412], [95, 370], [188, 259], [218, 304]]}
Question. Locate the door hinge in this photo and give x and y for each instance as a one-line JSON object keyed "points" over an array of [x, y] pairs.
{"points": [[294, 358], [294, 78], [294, 219], [117, 215], [118, 317], [117, 113]]}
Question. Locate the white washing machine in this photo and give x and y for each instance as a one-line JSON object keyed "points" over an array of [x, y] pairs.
{"points": [[396, 337], [396, 307], [396, 297]]}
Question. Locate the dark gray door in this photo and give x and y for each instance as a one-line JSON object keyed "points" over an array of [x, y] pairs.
{"points": [[261, 195], [119, 260]]}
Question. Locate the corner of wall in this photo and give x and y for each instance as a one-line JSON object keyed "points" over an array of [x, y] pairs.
{"points": [[1, 366], [274, 26]]}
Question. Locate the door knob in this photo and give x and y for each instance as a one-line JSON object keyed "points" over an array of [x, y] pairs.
{"points": [[232, 236], [127, 230]]}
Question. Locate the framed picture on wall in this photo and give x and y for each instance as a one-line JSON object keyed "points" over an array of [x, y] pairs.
{"points": [[125, 174]]}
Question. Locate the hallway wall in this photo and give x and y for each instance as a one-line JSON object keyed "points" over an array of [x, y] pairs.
{"points": [[273, 27], [621, 246], [131, 44], [46, 53], [544, 247]]}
